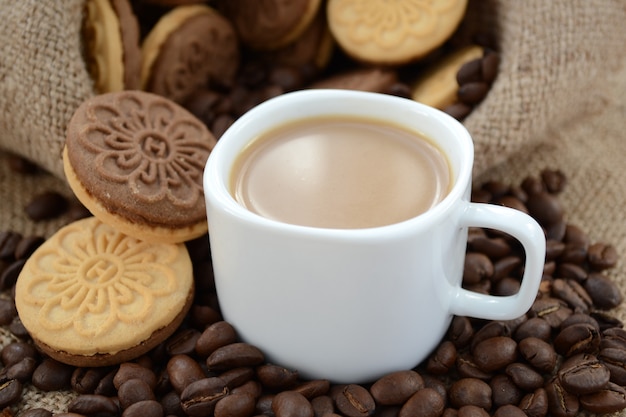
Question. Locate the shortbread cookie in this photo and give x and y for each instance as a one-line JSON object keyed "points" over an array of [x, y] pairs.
{"points": [[190, 47], [135, 160], [269, 24], [92, 296], [112, 52], [438, 86], [393, 32]]}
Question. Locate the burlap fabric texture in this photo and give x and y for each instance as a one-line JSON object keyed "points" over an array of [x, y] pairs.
{"points": [[559, 102]]}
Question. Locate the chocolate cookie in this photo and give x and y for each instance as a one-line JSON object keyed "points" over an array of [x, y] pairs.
{"points": [[393, 32], [91, 296], [269, 24], [190, 47], [135, 160], [112, 52]]}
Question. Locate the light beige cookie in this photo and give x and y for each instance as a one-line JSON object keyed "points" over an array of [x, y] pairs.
{"points": [[437, 86], [92, 296], [190, 47], [111, 35], [392, 32], [135, 160]]}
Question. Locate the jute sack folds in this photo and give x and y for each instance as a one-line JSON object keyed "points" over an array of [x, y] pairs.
{"points": [[555, 59]]}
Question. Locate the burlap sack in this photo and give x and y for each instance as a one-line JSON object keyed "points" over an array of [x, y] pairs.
{"points": [[559, 102]]}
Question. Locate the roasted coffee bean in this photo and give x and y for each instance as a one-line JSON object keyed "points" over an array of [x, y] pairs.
{"points": [[580, 318], [287, 78], [554, 249], [234, 355], [477, 267], [610, 399], [17, 328], [182, 371], [509, 410], [395, 388], [467, 368], [9, 275], [134, 391], [16, 351], [171, 404], [437, 384], [554, 180], [237, 376], [583, 374], [489, 330], [472, 92], [504, 267], [7, 311], [86, 380], [560, 402], [497, 188], [545, 208], [47, 205], [494, 247], [275, 377], [22, 370], [615, 360], [8, 242], [573, 294], [540, 354], [470, 391], [470, 71], [504, 391], [355, 401], [129, 370], [36, 412], [291, 404], [460, 331], [235, 405], [215, 336], [10, 392], [532, 185], [264, 404], [490, 63], [524, 376], [577, 338], [90, 404], [495, 353], [200, 397], [183, 342], [458, 110], [574, 254], [399, 90], [511, 202], [313, 388], [322, 405], [472, 411], [106, 386], [533, 327], [252, 388], [552, 310], [426, 402], [606, 320], [506, 286], [443, 359], [603, 291], [27, 245], [51, 375], [148, 408], [535, 404], [613, 338], [572, 271], [202, 316], [602, 256]]}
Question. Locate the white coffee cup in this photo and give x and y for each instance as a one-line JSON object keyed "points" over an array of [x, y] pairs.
{"points": [[350, 305]]}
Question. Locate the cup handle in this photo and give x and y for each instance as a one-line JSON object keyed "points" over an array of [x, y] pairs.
{"points": [[528, 232]]}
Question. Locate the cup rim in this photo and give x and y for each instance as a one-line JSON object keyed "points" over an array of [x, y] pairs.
{"points": [[215, 182]]}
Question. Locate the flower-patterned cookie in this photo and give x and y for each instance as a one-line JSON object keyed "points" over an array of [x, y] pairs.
{"points": [[393, 31], [135, 160], [92, 296]]}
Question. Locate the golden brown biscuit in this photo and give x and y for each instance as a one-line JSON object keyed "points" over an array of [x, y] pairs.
{"points": [[190, 47], [135, 160], [269, 24], [92, 296], [393, 32], [113, 55], [437, 86]]}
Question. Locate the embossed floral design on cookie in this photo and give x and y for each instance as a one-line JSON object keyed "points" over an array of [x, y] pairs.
{"points": [[135, 160], [90, 289], [393, 31]]}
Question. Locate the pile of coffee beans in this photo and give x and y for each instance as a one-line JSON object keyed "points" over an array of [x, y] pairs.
{"points": [[565, 356]]}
